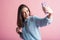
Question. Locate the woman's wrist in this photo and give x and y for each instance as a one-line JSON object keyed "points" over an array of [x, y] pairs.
{"points": [[49, 15], [18, 30]]}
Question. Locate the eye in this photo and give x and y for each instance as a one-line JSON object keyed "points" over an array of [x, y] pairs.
{"points": [[27, 10]]}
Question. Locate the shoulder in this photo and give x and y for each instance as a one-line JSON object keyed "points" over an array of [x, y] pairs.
{"points": [[33, 18]]}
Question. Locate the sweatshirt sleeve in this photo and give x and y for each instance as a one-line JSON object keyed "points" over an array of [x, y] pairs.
{"points": [[42, 21]]}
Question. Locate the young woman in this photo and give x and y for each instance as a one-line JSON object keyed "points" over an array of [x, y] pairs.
{"points": [[28, 25]]}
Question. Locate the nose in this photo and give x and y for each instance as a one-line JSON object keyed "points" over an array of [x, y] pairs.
{"points": [[26, 13]]}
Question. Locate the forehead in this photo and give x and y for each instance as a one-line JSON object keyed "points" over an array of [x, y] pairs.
{"points": [[24, 9]]}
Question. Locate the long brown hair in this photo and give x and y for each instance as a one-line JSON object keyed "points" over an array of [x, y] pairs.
{"points": [[20, 18]]}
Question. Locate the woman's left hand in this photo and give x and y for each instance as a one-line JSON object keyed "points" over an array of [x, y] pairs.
{"points": [[46, 8]]}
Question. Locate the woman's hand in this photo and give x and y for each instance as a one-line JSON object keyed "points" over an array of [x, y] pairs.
{"points": [[18, 30], [46, 8]]}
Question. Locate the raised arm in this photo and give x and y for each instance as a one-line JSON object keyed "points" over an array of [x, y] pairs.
{"points": [[47, 10], [46, 20]]}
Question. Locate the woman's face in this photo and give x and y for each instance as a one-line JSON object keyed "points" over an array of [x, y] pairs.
{"points": [[25, 12]]}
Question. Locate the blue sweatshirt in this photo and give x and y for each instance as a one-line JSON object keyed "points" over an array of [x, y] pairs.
{"points": [[30, 30]]}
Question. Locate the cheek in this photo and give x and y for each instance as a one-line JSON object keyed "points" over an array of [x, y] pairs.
{"points": [[27, 13], [24, 14]]}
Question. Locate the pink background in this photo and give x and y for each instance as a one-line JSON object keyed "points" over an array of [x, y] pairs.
{"points": [[8, 18]]}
